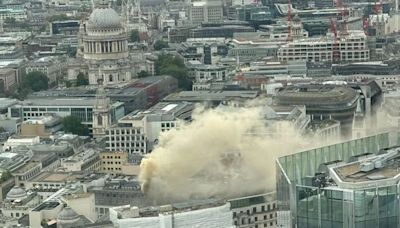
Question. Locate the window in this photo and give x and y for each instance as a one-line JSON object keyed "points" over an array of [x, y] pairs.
{"points": [[262, 208], [254, 209]]}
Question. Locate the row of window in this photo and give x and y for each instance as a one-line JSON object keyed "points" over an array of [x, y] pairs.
{"points": [[111, 163], [111, 157]]}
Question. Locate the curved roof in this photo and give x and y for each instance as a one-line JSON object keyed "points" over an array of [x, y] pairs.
{"points": [[317, 95], [67, 215], [104, 18], [16, 193]]}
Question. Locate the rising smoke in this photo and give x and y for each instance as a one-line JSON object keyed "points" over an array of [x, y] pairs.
{"points": [[224, 152]]}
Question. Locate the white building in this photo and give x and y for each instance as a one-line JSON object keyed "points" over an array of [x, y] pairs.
{"points": [[208, 214], [353, 47], [85, 161], [17, 14], [18, 203], [139, 132], [205, 11]]}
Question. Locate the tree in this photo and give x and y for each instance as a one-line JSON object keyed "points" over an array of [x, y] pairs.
{"points": [[134, 36], [167, 64], [59, 17], [143, 74], [35, 81], [4, 176], [160, 44], [82, 79], [73, 125]]}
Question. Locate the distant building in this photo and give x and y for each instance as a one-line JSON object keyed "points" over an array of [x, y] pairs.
{"points": [[82, 108], [353, 48], [103, 49], [43, 126], [205, 11], [50, 66], [87, 160], [323, 102], [8, 80]]}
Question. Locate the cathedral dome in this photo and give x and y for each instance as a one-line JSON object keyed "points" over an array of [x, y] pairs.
{"points": [[67, 215], [104, 18], [16, 193]]}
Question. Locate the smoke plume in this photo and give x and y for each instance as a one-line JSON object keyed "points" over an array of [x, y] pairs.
{"points": [[224, 152]]}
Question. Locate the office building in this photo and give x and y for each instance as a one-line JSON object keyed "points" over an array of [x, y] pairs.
{"points": [[205, 11], [349, 184], [323, 102], [44, 126], [353, 48], [139, 132], [254, 211], [82, 108], [52, 67], [118, 163], [207, 213]]}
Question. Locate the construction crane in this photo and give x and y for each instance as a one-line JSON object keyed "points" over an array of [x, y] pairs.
{"points": [[289, 19], [344, 17], [335, 48]]}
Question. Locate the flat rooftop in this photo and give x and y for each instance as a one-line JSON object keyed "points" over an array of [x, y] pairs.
{"points": [[55, 177], [382, 169], [201, 96]]}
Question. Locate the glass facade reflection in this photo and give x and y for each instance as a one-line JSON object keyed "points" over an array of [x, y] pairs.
{"points": [[333, 207]]}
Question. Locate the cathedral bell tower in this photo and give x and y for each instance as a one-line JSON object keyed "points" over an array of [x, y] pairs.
{"points": [[101, 112]]}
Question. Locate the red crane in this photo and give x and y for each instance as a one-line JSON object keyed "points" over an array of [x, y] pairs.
{"points": [[289, 19], [335, 48], [344, 17]]}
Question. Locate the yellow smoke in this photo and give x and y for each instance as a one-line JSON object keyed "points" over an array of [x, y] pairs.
{"points": [[223, 152]]}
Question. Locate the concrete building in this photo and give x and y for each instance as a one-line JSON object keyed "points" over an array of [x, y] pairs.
{"points": [[139, 132], [43, 126], [18, 14], [117, 163], [338, 185], [17, 204], [103, 49], [82, 108], [352, 48], [121, 190], [323, 102], [213, 98], [254, 211], [8, 80], [205, 11], [207, 213], [85, 161], [52, 67]]}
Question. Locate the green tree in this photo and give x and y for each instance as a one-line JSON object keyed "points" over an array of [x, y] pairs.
{"points": [[134, 36], [143, 74], [5, 175], [35, 81], [160, 44], [73, 125], [59, 17], [82, 79], [167, 64]]}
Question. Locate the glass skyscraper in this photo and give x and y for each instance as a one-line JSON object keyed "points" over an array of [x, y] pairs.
{"points": [[302, 204]]}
